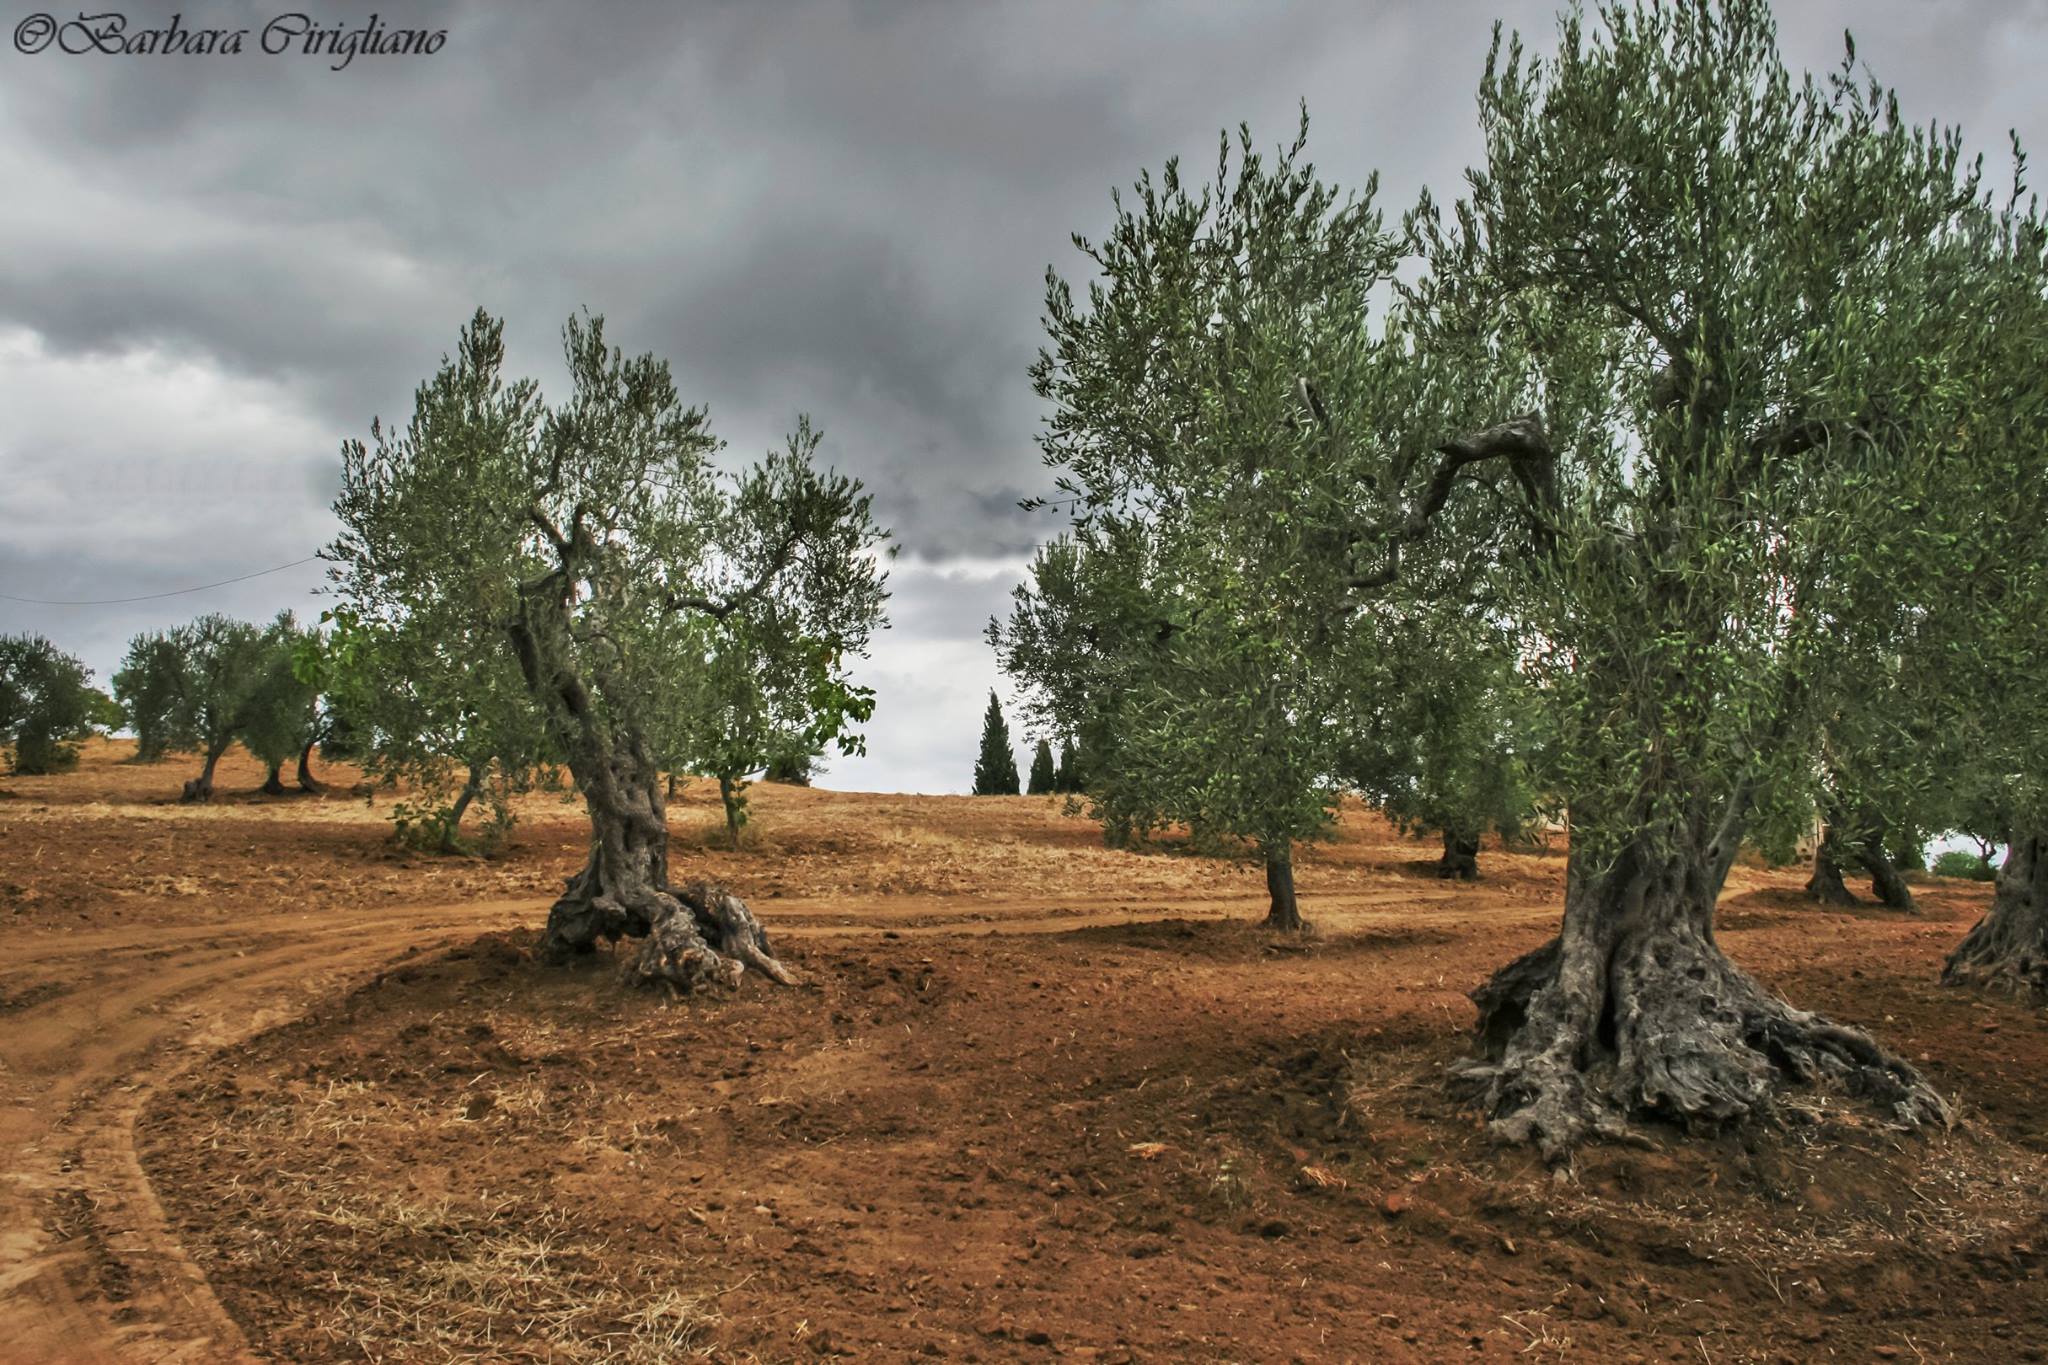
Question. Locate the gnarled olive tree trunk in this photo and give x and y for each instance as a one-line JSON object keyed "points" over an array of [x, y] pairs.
{"points": [[472, 784], [2007, 951], [1826, 884], [308, 782], [1885, 882], [200, 788], [695, 935], [1633, 1010], [1461, 856]]}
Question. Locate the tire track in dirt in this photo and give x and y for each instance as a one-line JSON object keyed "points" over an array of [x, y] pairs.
{"points": [[101, 1020], [88, 1270]]}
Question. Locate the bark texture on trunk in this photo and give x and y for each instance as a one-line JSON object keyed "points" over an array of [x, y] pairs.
{"points": [[1885, 882], [308, 782], [1826, 884], [695, 936], [1633, 1010], [273, 780], [200, 788], [1285, 913], [2007, 951], [1461, 857]]}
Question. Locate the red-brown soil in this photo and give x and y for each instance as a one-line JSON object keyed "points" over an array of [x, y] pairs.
{"points": [[271, 1088]]}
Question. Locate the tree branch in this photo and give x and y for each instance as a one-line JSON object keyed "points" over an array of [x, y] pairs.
{"points": [[719, 610], [1520, 441], [547, 526]]}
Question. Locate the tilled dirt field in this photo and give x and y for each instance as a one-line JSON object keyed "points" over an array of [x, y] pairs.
{"points": [[273, 1089]]}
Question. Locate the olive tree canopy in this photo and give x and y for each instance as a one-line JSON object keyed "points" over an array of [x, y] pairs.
{"points": [[1230, 415]]}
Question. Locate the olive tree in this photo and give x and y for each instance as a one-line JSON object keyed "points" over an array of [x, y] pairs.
{"points": [[1448, 737], [1221, 408], [284, 714], [203, 685], [1887, 768], [1754, 311], [149, 686], [764, 693], [209, 679], [46, 702], [580, 533], [1994, 652], [433, 703]]}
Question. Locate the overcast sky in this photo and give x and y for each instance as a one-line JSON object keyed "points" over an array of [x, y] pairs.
{"points": [[215, 268]]}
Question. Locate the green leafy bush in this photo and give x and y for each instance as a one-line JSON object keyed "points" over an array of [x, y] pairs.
{"points": [[1968, 866]]}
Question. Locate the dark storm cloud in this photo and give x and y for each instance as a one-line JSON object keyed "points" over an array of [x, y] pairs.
{"points": [[224, 265]]}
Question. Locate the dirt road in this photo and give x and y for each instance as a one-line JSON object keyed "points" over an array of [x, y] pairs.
{"points": [[91, 1024], [97, 1021]]}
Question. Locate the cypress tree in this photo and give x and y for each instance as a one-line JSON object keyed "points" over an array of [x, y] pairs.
{"points": [[995, 771], [1044, 779], [1068, 776]]}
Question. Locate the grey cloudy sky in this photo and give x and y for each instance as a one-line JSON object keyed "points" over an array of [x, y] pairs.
{"points": [[212, 269]]}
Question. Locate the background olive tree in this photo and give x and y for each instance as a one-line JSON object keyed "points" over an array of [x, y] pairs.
{"points": [[284, 715], [763, 693], [434, 704], [149, 687], [46, 704], [1988, 622], [1448, 736], [197, 688], [1225, 416]]}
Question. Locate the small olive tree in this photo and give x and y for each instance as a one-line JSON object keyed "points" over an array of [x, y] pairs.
{"points": [[1450, 735], [149, 686], [1992, 650], [435, 705], [284, 714], [198, 687], [761, 693]]}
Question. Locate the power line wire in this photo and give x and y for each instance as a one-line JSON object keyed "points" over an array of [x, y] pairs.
{"points": [[152, 596]]}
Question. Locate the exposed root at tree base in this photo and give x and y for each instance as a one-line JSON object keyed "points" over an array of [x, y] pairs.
{"points": [[1461, 858], [692, 936], [1671, 1031], [1983, 963], [2006, 952], [678, 951]]}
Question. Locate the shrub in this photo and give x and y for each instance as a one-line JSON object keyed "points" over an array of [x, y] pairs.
{"points": [[1968, 866]]}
